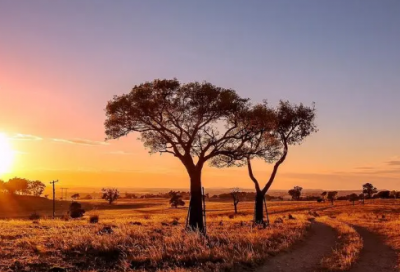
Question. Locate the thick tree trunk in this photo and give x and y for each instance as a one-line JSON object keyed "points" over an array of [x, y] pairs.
{"points": [[235, 204], [196, 204], [259, 208]]}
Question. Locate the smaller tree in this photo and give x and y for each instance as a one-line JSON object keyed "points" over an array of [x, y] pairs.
{"points": [[75, 196], [235, 193], [110, 194], [393, 194], [295, 193], [176, 199], [323, 196], [362, 196], [75, 210], [331, 196], [369, 190], [353, 197]]}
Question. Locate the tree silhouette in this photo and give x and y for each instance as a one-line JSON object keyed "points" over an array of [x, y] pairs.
{"points": [[295, 193], [36, 187], [110, 194], [235, 193], [323, 195], [17, 185], [194, 122], [353, 197], [176, 199], [281, 127], [331, 196], [369, 190]]}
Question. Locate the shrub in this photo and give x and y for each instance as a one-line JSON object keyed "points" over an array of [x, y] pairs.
{"points": [[75, 210], [94, 218], [34, 216]]}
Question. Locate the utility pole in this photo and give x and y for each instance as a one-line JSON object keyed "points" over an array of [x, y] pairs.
{"points": [[54, 196]]}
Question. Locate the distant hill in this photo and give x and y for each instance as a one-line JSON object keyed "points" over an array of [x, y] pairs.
{"points": [[18, 206]]}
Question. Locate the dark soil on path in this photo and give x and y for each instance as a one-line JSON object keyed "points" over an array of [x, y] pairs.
{"points": [[375, 256], [306, 255]]}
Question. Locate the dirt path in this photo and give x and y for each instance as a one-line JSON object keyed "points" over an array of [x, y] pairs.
{"points": [[304, 256], [375, 255]]}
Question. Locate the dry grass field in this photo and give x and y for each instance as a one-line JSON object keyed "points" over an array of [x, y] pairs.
{"points": [[148, 235]]}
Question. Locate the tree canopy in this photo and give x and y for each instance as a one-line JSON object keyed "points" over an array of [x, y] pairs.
{"points": [[195, 122], [184, 120], [369, 190], [295, 193]]}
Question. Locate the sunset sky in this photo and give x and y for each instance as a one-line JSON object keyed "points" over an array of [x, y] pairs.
{"points": [[61, 61]]}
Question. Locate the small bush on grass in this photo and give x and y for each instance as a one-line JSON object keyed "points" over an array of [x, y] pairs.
{"points": [[75, 210], [34, 216]]}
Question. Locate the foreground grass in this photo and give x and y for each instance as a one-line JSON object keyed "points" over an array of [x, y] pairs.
{"points": [[347, 249], [158, 243]]}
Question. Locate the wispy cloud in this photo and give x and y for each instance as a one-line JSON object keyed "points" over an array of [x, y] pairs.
{"points": [[80, 141], [365, 168], [25, 137], [394, 162]]}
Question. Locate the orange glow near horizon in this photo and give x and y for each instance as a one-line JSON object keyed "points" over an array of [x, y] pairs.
{"points": [[6, 154]]}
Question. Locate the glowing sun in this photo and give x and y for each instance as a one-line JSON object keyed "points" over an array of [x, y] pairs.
{"points": [[6, 154]]}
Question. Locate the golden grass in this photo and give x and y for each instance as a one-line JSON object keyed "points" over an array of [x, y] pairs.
{"points": [[158, 243], [379, 216], [347, 248], [147, 235]]}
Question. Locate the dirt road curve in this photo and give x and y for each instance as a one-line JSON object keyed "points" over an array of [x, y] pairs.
{"points": [[306, 255], [375, 255]]}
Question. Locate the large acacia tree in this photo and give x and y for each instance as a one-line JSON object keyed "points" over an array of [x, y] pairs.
{"points": [[195, 122], [287, 124]]}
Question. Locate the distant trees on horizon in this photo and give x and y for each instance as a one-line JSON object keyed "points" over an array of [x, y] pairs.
{"points": [[22, 186]]}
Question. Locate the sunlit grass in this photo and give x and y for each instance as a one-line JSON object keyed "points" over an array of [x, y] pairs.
{"points": [[150, 244], [347, 248]]}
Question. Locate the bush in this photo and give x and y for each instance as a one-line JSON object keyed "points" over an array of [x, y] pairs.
{"points": [[94, 218], [75, 210], [34, 216]]}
